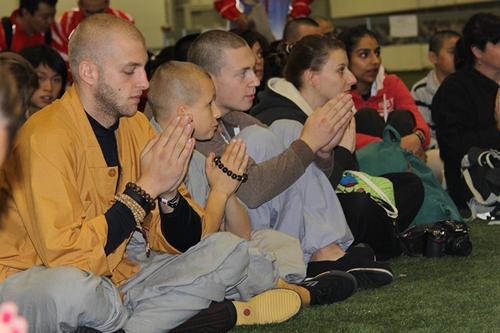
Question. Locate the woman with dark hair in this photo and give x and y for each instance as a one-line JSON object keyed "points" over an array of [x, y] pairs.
{"points": [[52, 74], [315, 70], [466, 107], [381, 98]]}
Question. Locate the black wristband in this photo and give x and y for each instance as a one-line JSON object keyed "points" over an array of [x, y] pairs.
{"points": [[420, 137]]}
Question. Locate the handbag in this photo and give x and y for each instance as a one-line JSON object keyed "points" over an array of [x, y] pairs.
{"points": [[387, 156]]}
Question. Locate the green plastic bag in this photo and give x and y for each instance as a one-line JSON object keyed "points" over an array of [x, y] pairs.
{"points": [[380, 189]]}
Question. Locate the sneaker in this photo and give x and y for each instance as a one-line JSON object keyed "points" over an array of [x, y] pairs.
{"points": [[368, 273], [329, 287], [218, 317], [272, 306]]}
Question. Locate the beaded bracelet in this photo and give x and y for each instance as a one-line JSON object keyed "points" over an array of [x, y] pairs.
{"points": [[135, 208], [139, 216], [138, 194], [241, 178]]}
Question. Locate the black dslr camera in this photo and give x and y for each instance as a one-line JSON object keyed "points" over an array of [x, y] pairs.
{"points": [[438, 239], [447, 237]]}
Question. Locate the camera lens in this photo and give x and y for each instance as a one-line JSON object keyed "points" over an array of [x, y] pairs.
{"points": [[461, 247]]}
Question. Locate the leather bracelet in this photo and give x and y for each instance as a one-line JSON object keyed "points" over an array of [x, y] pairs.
{"points": [[420, 137], [241, 178], [142, 197]]}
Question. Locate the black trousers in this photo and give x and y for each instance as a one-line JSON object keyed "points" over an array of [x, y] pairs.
{"points": [[369, 222], [368, 121]]}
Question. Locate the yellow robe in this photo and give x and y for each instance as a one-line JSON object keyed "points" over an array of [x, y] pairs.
{"points": [[56, 186]]}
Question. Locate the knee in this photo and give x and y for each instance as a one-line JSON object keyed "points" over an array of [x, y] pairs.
{"points": [[70, 283]]}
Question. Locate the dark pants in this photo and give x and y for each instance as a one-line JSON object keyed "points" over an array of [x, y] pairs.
{"points": [[369, 222], [369, 121]]}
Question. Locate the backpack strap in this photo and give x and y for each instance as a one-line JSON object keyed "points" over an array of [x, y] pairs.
{"points": [[7, 28], [48, 37]]}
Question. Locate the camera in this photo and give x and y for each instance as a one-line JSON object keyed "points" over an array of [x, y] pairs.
{"points": [[447, 237]]}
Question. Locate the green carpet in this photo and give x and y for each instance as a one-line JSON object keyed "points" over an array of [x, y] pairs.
{"points": [[449, 294]]}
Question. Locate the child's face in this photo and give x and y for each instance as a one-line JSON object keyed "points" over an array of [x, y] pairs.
{"points": [[205, 112], [445, 57]]}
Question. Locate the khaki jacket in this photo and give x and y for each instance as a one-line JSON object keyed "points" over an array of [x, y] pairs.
{"points": [[56, 186]]}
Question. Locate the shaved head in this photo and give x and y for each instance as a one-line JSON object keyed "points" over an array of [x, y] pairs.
{"points": [[208, 50], [173, 84], [91, 39]]}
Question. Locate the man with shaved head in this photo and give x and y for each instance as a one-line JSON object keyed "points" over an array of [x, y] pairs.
{"points": [[98, 230]]}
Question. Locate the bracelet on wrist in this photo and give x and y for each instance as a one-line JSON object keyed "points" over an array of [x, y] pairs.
{"points": [[136, 209], [172, 203], [241, 178], [420, 137], [142, 197], [139, 215]]}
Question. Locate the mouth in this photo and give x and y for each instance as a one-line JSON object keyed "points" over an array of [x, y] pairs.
{"points": [[46, 99]]}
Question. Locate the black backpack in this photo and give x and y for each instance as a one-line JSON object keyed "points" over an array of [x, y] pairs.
{"points": [[7, 28], [481, 173]]}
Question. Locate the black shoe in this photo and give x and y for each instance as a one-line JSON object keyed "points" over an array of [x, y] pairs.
{"points": [[362, 250], [368, 273], [218, 317], [329, 287]]}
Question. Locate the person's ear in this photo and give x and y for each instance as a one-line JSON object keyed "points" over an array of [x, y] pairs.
{"points": [[88, 72], [433, 58], [310, 77], [182, 110], [477, 52]]}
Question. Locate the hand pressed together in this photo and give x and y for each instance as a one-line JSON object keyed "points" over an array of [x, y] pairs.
{"points": [[165, 159], [235, 159], [325, 127]]}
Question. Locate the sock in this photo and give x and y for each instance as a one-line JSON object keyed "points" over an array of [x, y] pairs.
{"points": [[303, 292]]}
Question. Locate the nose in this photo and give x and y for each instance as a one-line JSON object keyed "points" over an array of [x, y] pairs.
{"points": [[143, 82], [254, 81], [216, 111], [374, 58], [258, 59], [46, 85], [351, 79]]}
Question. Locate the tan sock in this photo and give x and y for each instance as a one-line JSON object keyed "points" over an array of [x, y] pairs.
{"points": [[303, 292]]}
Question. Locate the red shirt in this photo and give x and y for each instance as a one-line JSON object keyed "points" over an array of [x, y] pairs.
{"points": [[394, 95], [20, 38], [228, 9]]}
